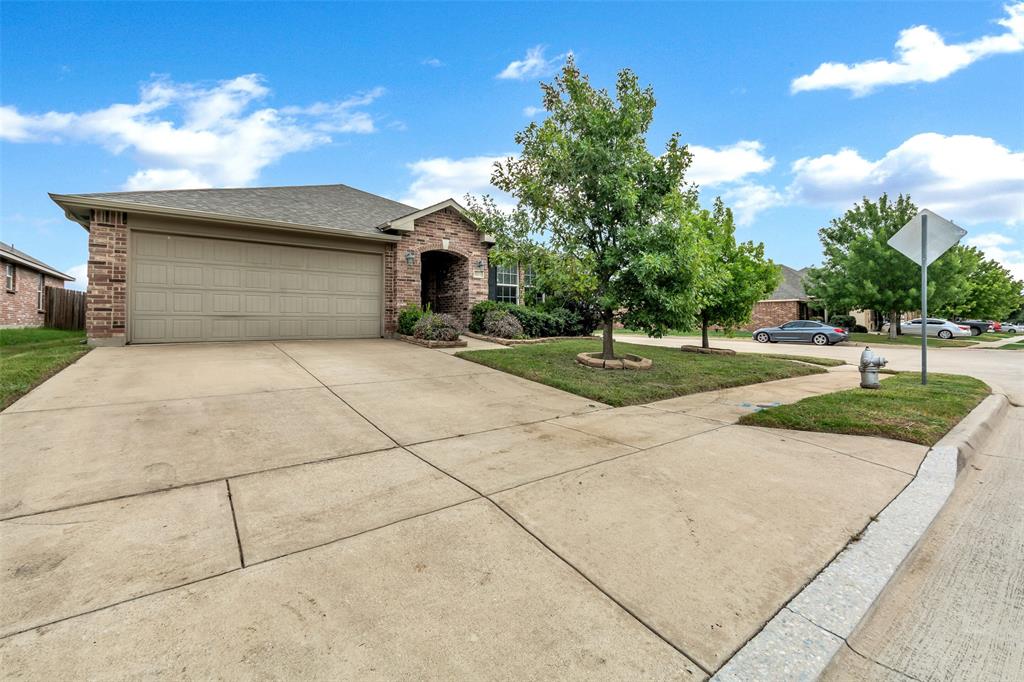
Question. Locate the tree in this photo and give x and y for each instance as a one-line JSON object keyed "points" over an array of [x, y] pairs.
{"points": [[861, 271], [737, 275], [596, 197], [982, 288]]}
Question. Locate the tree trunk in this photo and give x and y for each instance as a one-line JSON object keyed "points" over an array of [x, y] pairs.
{"points": [[894, 324], [704, 331], [608, 349]]}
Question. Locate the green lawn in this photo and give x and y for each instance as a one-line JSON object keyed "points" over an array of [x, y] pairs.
{"points": [[30, 356], [996, 336], [1018, 345], [738, 334], [902, 409], [873, 339], [674, 373]]}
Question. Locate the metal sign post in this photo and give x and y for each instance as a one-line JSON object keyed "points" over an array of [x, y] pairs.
{"points": [[913, 241], [924, 300]]}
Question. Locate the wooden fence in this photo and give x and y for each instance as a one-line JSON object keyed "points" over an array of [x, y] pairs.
{"points": [[65, 308]]}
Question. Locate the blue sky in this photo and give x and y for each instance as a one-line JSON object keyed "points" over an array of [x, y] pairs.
{"points": [[793, 110]]}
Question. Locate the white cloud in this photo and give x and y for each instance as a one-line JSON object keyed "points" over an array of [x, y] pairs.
{"points": [[193, 135], [963, 177], [747, 200], [434, 62], [729, 163], [81, 275], [992, 243], [533, 65], [530, 112], [443, 178], [922, 55], [727, 170], [988, 240]]}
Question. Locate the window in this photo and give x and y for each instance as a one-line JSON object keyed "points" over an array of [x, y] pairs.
{"points": [[529, 277], [9, 276], [41, 294], [506, 283]]}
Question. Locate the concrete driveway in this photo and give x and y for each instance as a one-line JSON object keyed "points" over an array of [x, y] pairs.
{"points": [[375, 509]]}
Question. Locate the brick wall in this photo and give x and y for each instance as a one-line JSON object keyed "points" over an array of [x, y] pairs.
{"points": [[106, 302], [463, 288], [773, 313], [20, 308]]}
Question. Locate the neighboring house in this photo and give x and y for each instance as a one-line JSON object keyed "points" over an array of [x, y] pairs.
{"points": [[321, 261], [25, 282], [789, 301]]}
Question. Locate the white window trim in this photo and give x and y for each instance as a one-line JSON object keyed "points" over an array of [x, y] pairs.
{"points": [[10, 275], [41, 294], [511, 281]]}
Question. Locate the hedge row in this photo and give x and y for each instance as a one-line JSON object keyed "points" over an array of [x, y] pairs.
{"points": [[535, 321]]}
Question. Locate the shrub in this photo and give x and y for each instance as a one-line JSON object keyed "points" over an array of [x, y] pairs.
{"points": [[503, 324], [579, 320], [480, 310], [408, 317], [845, 321], [437, 327], [860, 329]]}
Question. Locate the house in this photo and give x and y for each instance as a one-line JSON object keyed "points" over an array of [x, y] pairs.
{"points": [[789, 301], [25, 282], [320, 261]]}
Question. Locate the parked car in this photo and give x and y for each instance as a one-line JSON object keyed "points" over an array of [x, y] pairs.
{"points": [[1013, 327], [977, 326], [802, 331], [944, 329]]}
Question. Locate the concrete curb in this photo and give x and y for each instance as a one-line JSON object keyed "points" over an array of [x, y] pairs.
{"points": [[800, 641]]}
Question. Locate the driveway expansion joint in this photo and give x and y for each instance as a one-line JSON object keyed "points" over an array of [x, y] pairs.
{"points": [[568, 563]]}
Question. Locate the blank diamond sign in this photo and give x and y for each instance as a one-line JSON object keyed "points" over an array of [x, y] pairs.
{"points": [[942, 234], [926, 237]]}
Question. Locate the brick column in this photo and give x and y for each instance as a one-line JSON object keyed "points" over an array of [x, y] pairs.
{"points": [[391, 305], [106, 302]]}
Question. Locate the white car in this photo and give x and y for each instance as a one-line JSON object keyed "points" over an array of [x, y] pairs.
{"points": [[944, 329], [1013, 327]]}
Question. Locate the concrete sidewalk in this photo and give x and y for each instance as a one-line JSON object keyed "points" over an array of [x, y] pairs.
{"points": [[956, 608]]}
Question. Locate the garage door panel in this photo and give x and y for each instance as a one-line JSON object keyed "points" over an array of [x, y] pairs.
{"points": [[186, 275], [194, 289]]}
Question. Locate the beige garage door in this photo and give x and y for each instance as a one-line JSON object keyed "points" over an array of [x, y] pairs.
{"points": [[199, 289]]}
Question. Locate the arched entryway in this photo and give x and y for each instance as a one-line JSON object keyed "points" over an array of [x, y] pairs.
{"points": [[444, 278]]}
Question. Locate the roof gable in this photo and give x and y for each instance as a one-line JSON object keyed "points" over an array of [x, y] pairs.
{"points": [[8, 252]]}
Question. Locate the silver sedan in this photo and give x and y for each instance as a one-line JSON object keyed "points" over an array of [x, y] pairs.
{"points": [[944, 329]]}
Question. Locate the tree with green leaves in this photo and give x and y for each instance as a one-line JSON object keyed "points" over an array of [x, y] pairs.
{"points": [[981, 289], [737, 275], [594, 197], [861, 271]]}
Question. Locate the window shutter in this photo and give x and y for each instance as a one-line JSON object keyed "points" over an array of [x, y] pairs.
{"points": [[492, 282]]}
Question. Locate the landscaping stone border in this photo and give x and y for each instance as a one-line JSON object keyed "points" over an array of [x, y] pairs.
{"points": [[627, 361], [802, 638], [523, 342], [707, 351], [460, 343]]}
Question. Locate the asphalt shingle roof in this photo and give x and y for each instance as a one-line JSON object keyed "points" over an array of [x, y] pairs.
{"points": [[791, 287], [9, 250], [330, 206]]}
